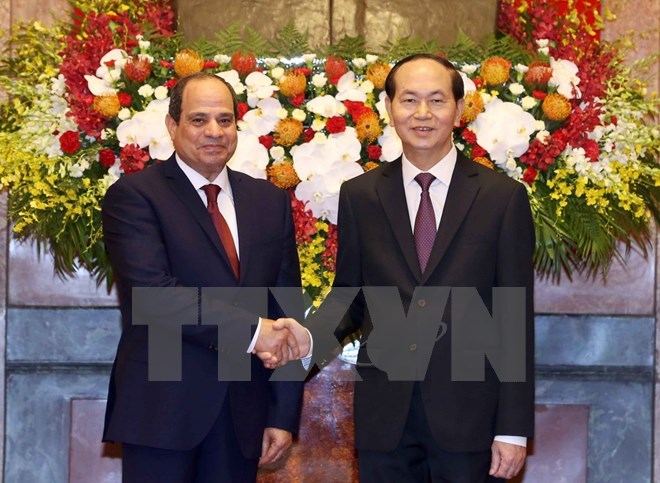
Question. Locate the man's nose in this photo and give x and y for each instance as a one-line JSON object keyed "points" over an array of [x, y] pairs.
{"points": [[422, 109], [214, 129]]}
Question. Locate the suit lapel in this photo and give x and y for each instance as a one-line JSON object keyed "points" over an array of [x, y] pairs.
{"points": [[462, 192], [245, 217], [182, 187], [393, 199]]}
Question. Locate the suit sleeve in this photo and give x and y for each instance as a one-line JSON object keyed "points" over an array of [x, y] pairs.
{"points": [[137, 250], [286, 393], [515, 268]]}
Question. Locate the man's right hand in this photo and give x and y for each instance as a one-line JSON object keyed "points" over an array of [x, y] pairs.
{"points": [[275, 345], [298, 343]]}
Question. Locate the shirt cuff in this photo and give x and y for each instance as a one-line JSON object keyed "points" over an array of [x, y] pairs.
{"points": [[307, 360], [254, 338], [517, 440]]}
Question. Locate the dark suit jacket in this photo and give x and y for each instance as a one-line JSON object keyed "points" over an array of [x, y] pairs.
{"points": [[485, 239], [158, 234]]}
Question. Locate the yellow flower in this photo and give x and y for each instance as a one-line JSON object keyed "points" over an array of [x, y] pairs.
{"points": [[369, 165], [377, 73], [292, 84], [283, 175], [287, 131], [495, 71], [368, 127], [188, 62], [107, 104], [556, 107], [474, 105]]}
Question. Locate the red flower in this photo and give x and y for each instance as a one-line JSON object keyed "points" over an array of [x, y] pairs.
{"points": [[132, 158], [613, 120], [266, 141], [330, 252], [69, 142], [125, 99], [137, 69], [298, 99], [356, 109], [107, 157], [335, 125], [210, 64], [166, 64], [374, 152], [469, 136], [242, 109], [335, 67], [478, 82], [171, 83], [303, 220], [478, 151], [529, 175], [539, 94], [308, 134], [302, 70], [591, 149], [244, 63]]}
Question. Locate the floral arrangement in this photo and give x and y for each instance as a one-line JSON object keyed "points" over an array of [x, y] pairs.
{"points": [[548, 104]]}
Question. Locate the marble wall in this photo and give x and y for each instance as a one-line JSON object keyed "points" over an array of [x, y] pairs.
{"points": [[596, 343]]}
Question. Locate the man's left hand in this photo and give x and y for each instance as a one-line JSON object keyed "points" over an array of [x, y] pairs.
{"points": [[274, 445], [507, 459]]}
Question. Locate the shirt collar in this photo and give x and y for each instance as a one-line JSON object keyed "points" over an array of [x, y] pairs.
{"points": [[198, 180], [442, 170]]}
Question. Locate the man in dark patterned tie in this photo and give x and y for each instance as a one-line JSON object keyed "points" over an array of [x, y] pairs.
{"points": [[430, 219]]}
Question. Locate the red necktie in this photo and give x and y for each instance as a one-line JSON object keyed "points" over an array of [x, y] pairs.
{"points": [[425, 225], [212, 191]]}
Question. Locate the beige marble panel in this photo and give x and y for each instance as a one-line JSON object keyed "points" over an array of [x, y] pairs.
{"points": [[379, 21], [628, 290], [202, 18], [639, 21], [45, 10], [32, 282]]}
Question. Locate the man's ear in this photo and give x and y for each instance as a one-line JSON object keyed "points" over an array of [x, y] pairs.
{"points": [[171, 125], [460, 107]]}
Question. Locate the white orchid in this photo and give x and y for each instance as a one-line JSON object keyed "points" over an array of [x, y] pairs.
{"points": [[326, 106], [564, 77], [390, 143], [147, 129], [504, 130], [349, 90], [250, 157], [232, 78], [259, 86], [262, 120]]}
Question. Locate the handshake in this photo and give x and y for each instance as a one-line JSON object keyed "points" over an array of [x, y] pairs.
{"points": [[280, 341]]}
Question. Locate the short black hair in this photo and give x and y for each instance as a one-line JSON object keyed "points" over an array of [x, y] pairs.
{"points": [[456, 79], [176, 94]]}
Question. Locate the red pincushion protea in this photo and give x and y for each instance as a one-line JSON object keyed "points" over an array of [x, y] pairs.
{"points": [[137, 69], [244, 63], [335, 67]]}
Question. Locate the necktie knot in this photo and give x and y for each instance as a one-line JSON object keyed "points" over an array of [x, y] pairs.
{"points": [[212, 191], [425, 180]]}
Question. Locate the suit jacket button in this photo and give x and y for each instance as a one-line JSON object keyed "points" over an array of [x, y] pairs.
{"points": [[421, 303], [413, 347]]}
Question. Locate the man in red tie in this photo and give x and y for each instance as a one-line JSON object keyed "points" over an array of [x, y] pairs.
{"points": [[192, 222]]}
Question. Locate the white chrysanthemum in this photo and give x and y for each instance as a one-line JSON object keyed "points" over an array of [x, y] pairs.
{"points": [[277, 72], [222, 59], [146, 90], [359, 62], [319, 80], [309, 57], [528, 102], [277, 153], [469, 68], [371, 58], [468, 84], [516, 89], [299, 114], [161, 93]]}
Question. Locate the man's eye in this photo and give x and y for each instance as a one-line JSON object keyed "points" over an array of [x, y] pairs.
{"points": [[197, 121]]}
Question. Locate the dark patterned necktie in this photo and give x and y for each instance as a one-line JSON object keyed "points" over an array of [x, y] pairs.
{"points": [[425, 225], [212, 191]]}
